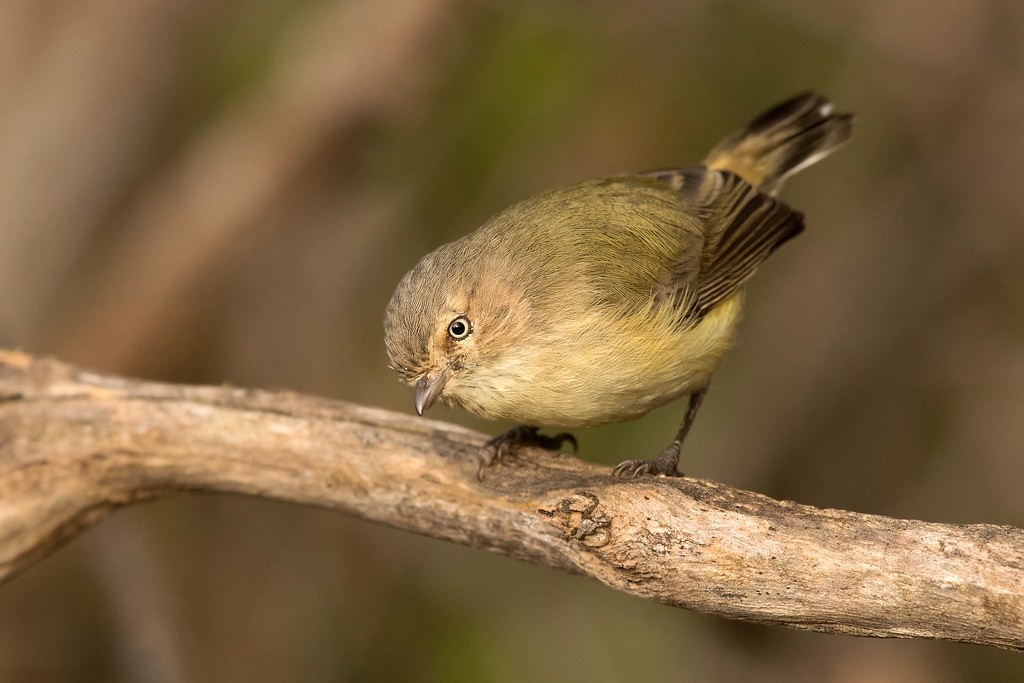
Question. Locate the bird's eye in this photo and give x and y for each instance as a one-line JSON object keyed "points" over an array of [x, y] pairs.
{"points": [[460, 328]]}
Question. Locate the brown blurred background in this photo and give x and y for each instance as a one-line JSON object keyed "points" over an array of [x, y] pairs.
{"points": [[228, 192]]}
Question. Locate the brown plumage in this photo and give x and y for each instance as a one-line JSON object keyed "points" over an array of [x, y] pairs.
{"points": [[598, 302]]}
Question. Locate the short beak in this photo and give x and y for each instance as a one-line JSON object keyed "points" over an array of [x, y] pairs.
{"points": [[428, 389]]}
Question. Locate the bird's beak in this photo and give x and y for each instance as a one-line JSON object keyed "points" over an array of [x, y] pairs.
{"points": [[428, 389]]}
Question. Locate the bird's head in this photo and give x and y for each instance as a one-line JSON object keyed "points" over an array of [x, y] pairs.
{"points": [[451, 330]]}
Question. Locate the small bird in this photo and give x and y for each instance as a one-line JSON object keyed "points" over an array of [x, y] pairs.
{"points": [[601, 301]]}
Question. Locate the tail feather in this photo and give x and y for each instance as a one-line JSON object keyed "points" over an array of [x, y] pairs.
{"points": [[781, 141]]}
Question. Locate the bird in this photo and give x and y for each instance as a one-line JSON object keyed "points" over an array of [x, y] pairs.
{"points": [[598, 302]]}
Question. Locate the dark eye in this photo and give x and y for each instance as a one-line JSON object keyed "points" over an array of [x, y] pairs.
{"points": [[460, 328]]}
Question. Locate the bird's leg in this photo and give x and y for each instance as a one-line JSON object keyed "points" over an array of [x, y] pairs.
{"points": [[665, 464], [506, 445]]}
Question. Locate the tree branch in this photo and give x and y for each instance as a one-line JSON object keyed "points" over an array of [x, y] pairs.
{"points": [[75, 445]]}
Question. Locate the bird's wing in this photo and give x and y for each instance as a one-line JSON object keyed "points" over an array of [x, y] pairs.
{"points": [[741, 228]]}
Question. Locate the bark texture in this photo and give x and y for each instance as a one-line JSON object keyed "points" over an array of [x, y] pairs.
{"points": [[75, 445]]}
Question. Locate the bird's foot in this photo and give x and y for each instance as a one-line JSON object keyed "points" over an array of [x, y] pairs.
{"points": [[505, 446], [662, 466]]}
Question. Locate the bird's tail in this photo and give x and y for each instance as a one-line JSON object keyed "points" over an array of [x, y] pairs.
{"points": [[781, 141]]}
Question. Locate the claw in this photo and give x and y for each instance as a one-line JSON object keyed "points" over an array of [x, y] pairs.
{"points": [[628, 468], [664, 465]]}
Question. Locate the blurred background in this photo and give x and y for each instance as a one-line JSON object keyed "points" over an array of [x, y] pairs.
{"points": [[228, 192]]}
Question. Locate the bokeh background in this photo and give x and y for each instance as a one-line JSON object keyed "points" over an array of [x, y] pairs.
{"points": [[229, 191]]}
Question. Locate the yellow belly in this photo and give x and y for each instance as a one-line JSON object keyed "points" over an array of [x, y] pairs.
{"points": [[604, 369]]}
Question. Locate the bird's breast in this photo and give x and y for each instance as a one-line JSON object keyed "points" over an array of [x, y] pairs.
{"points": [[601, 368]]}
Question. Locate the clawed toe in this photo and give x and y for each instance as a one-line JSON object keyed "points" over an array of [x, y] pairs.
{"points": [[664, 465], [642, 468], [505, 446], [497, 450], [630, 468]]}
